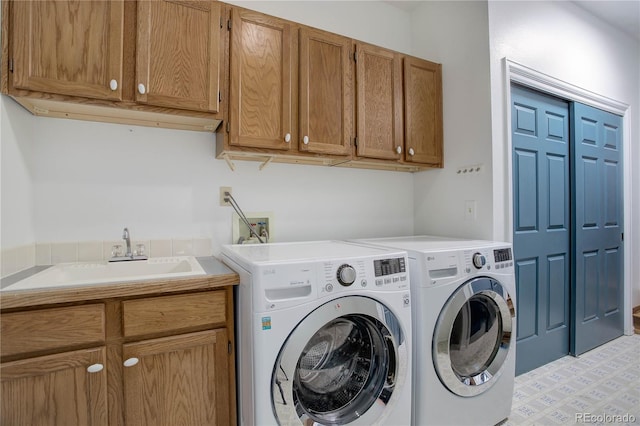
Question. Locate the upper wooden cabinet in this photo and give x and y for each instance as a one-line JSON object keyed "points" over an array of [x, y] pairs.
{"points": [[423, 111], [261, 72], [307, 96], [178, 54], [68, 47], [379, 100], [152, 62], [325, 92]]}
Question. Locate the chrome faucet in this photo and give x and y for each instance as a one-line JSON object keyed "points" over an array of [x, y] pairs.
{"points": [[127, 239], [129, 255]]}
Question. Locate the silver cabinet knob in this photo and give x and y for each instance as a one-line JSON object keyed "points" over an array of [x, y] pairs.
{"points": [[141, 89], [287, 137], [131, 362], [399, 149], [411, 151], [305, 140], [94, 368], [113, 84]]}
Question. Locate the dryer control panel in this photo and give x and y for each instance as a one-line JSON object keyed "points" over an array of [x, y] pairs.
{"points": [[488, 259]]}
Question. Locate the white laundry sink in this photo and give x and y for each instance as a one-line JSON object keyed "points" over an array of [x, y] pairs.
{"points": [[86, 273]]}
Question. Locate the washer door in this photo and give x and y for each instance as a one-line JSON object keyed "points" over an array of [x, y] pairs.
{"points": [[473, 336], [341, 364]]}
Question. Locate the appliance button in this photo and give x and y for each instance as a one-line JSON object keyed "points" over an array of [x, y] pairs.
{"points": [[363, 283], [328, 287]]}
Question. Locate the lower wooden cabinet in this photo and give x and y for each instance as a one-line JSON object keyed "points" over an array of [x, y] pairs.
{"points": [[64, 389], [161, 360], [177, 380]]}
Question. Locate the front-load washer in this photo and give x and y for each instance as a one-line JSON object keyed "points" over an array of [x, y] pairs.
{"points": [[323, 334], [464, 322]]}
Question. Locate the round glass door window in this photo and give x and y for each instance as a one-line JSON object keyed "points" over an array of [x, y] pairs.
{"points": [[342, 372], [473, 336]]}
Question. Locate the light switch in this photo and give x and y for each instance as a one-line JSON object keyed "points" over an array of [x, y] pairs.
{"points": [[470, 210]]}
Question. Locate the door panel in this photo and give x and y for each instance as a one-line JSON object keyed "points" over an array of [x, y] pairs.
{"points": [[540, 126], [597, 214], [379, 100], [43, 33], [55, 390], [177, 55], [423, 112], [260, 100], [326, 92], [179, 380]]}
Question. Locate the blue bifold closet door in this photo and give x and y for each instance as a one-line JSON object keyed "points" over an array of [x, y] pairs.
{"points": [[567, 223], [597, 212]]}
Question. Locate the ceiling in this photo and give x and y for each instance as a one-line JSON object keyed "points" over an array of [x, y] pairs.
{"points": [[622, 14]]}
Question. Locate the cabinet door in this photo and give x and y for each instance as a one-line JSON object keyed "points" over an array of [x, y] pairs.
{"points": [[423, 111], [55, 390], [326, 92], [261, 63], [178, 54], [178, 380], [379, 99], [69, 47]]}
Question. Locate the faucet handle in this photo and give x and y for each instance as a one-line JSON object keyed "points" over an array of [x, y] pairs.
{"points": [[116, 250], [140, 249]]}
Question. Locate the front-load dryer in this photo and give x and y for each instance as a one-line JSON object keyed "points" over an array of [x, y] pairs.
{"points": [[323, 334], [463, 294]]}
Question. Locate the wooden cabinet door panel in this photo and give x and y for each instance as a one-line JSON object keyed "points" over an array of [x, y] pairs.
{"points": [[260, 102], [179, 380], [69, 47], [326, 92], [55, 390], [48, 329], [423, 111], [178, 54], [379, 100], [172, 313]]}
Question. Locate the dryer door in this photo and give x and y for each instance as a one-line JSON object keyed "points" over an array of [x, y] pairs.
{"points": [[340, 365], [473, 336]]}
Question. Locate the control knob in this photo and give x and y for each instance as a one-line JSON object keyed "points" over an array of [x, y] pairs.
{"points": [[346, 275], [479, 260]]}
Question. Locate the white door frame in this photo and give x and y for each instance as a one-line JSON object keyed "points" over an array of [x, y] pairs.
{"points": [[518, 73]]}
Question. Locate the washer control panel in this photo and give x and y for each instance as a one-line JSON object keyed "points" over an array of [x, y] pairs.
{"points": [[389, 273]]}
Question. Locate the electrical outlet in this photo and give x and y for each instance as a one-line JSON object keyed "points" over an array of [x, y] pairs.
{"points": [[224, 189]]}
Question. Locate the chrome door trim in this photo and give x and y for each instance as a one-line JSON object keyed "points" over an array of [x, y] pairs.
{"points": [[282, 396], [479, 383]]}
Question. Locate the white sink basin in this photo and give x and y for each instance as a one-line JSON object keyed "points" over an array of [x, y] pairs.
{"points": [[84, 273]]}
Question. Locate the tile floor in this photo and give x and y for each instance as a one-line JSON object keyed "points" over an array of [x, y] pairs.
{"points": [[600, 387]]}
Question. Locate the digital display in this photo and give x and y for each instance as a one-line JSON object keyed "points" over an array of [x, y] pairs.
{"points": [[502, 255], [389, 266]]}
